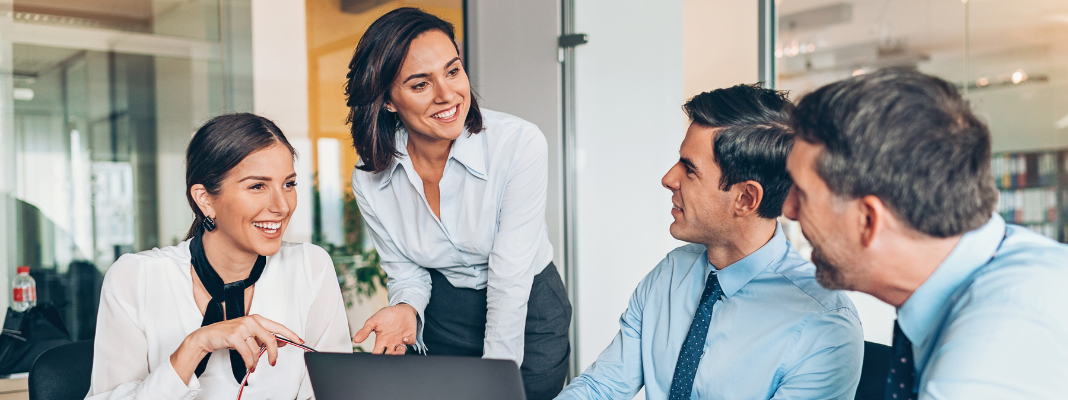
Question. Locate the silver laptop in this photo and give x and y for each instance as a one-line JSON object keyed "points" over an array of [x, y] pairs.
{"points": [[362, 376]]}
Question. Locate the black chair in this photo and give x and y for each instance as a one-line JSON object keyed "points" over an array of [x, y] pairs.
{"points": [[873, 372], [62, 373]]}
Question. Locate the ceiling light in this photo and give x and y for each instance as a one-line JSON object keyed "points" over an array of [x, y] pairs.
{"points": [[1019, 76], [859, 72], [24, 94], [982, 82]]}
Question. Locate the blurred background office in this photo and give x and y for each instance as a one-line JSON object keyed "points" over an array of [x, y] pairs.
{"points": [[98, 99]]}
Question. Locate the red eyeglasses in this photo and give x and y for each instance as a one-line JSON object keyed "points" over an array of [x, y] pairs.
{"points": [[263, 349]]}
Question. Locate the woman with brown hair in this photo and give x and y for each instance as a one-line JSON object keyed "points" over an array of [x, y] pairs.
{"points": [[191, 320], [454, 197]]}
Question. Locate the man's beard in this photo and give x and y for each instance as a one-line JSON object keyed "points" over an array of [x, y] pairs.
{"points": [[828, 274]]}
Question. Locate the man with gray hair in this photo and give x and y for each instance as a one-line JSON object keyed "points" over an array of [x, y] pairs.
{"points": [[893, 186]]}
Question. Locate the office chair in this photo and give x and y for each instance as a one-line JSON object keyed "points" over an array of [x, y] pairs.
{"points": [[62, 373], [873, 372]]}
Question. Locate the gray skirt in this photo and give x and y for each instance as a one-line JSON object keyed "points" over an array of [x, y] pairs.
{"points": [[456, 325]]}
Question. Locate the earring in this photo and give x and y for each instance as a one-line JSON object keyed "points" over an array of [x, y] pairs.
{"points": [[208, 224], [388, 108]]}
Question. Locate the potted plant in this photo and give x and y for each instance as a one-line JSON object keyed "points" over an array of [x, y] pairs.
{"points": [[356, 264]]}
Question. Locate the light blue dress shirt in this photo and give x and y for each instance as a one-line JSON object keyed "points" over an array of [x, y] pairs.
{"points": [[491, 235], [992, 327], [775, 333]]}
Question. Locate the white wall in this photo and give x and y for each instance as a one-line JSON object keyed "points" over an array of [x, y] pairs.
{"points": [[629, 92], [280, 59], [280, 90]]}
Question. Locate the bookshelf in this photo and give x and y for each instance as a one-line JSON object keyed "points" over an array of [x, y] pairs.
{"points": [[1033, 190]]}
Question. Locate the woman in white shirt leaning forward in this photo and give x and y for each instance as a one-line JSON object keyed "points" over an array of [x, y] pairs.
{"points": [[454, 197], [188, 321]]}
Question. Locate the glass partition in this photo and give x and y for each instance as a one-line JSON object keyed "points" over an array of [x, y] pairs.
{"points": [[1010, 58], [180, 18], [101, 98]]}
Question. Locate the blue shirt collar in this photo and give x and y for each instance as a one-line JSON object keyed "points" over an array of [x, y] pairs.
{"points": [[467, 150], [736, 275], [917, 317]]}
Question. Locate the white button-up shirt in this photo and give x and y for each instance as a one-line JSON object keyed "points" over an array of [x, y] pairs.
{"points": [[491, 233], [147, 309]]}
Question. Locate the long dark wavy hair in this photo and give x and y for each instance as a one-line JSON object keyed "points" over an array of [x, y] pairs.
{"points": [[373, 69], [219, 146]]}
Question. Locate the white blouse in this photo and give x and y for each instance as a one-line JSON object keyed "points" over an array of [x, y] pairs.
{"points": [[491, 235], [147, 309]]}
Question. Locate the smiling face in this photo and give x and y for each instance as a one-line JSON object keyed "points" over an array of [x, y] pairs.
{"points": [[823, 216], [700, 208], [255, 201], [431, 94]]}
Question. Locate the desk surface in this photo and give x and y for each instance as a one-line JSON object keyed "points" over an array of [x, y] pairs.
{"points": [[14, 389]]}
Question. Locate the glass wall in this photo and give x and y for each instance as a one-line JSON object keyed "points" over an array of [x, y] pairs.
{"points": [[1010, 58], [101, 98]]}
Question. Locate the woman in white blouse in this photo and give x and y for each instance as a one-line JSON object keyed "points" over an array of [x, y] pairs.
{"points": [[454, 197], [188, 321]]}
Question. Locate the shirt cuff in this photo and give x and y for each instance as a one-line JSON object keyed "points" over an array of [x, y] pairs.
{"points": [[164, 382], [498, 348]]}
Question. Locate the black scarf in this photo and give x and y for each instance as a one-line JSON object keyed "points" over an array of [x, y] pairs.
{"points": [[232, 293]]}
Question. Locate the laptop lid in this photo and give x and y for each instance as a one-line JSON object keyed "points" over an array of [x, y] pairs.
{"points": [[361, 376]]}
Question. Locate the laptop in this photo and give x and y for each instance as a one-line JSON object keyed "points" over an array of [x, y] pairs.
{"points": [[363, 376]]}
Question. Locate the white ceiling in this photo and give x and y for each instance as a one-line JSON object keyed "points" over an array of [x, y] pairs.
{"points": [[937, 27], [1003, 36], [119, 9]]}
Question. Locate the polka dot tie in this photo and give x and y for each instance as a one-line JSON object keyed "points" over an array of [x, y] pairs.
{"points": [[694, 345], [902, 375]]}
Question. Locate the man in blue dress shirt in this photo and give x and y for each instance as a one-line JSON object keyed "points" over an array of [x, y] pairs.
{"points": [[894, 189], [738, 313]]}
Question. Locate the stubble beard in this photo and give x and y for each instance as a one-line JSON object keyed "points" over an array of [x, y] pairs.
{"points": [[689, 233], [829, 274]]}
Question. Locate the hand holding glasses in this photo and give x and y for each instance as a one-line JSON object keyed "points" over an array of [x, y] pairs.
{"points": [[282, 341], [245, 335]]}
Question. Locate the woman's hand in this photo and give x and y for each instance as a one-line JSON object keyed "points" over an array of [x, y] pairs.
{"points": [[245, 334], [394, 328]]}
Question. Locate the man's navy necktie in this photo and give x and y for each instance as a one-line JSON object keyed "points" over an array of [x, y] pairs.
{"points": [[902, 376], [694, 345]]}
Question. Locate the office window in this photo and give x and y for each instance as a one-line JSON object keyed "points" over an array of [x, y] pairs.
{"points": [[100, 100], [1009, 57]]}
